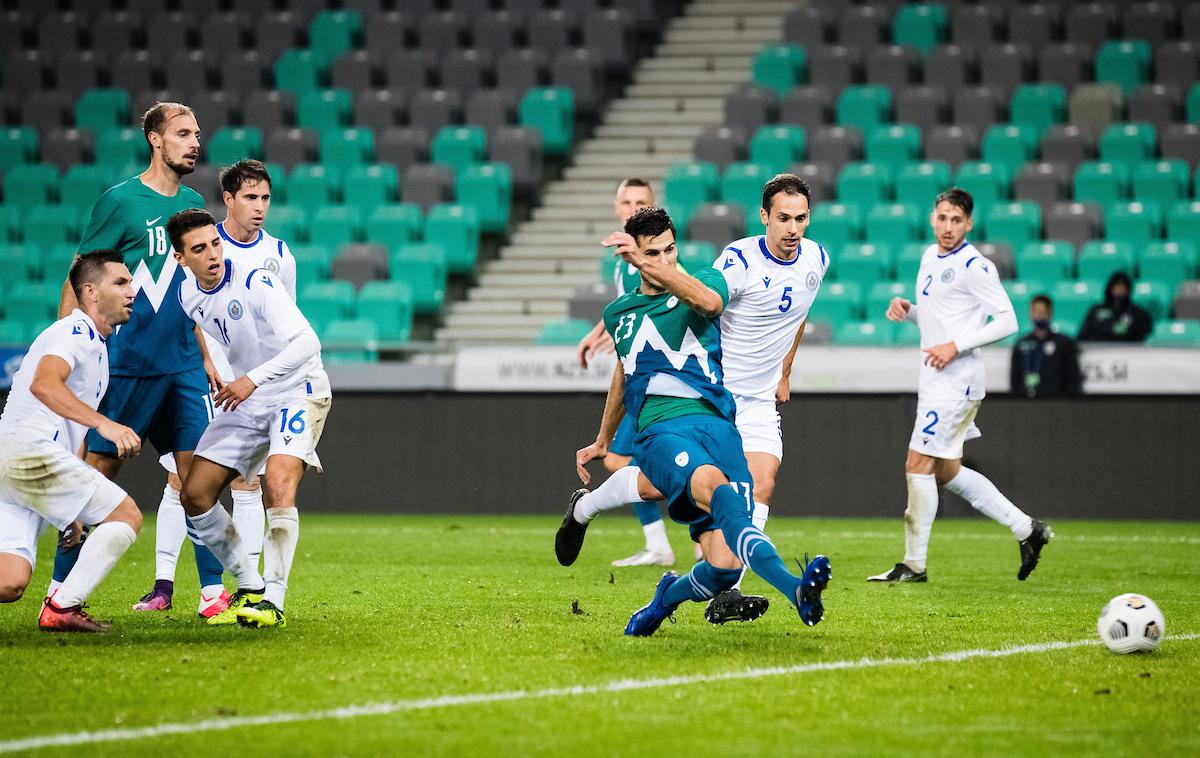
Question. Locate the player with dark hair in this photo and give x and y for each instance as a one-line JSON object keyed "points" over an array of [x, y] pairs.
{"points": [[689, 452], [960, 307], [161, 374]]}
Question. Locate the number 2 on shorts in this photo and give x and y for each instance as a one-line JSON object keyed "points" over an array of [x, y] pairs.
{"points": [[928, 429]]}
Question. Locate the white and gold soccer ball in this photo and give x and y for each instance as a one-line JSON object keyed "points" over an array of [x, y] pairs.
{"points": [[1131, 623]]}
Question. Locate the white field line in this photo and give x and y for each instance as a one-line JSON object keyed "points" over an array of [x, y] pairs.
{"points": [[483, 698]]}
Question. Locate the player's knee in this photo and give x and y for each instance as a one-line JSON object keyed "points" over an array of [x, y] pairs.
{"points": [[109, 465], [764, 488], [705, 479], [279, 489], [128, 513], [614, 463], [10, 591]]}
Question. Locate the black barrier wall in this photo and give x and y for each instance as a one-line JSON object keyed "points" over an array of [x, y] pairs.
{"points": [[843, 455]]}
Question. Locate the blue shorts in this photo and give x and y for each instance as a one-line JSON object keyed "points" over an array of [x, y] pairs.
{"points": [[670, 451], [170, 411], [622, 443]]}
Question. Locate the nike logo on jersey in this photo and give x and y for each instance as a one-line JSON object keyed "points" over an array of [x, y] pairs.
{"points": [[153, 221], [766, 282], [155, 289]]}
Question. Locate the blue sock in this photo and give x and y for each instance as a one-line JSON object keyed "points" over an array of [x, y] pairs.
{"points": [[207, 565], [701, 584], [748, 543], [64, 561], [646, 512]]}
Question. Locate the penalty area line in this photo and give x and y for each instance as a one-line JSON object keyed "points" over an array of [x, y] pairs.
{"points": [[450, 701]]}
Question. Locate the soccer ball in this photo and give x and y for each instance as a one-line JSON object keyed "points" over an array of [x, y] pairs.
{"points": [[1130, 624]]}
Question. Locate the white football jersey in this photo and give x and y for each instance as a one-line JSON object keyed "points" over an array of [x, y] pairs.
{"points": [[76, 341], [265, 252], [251, 315], [956, 292], [768, 299]]}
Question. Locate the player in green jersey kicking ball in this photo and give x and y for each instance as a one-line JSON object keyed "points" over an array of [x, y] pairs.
{"points": [[669, 377]]}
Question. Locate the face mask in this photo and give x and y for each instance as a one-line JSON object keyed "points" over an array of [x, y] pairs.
{"points": [[1041, 323], [1120, 301]]}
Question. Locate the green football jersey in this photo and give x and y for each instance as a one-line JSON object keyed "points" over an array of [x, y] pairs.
{"points": [[671, 354], [132, 219]]}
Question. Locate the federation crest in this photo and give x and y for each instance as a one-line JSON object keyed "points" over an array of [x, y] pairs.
{"points": [[235, 310], [272, 265], [681, 460], [812, 281], [672, 301], [948, 275]]}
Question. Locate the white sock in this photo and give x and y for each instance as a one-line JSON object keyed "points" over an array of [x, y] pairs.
{"points": [[170, 530], [918, 518], [216, 530], [210, 591], [283, 531], [103, 548], [248, 514], [54, 585], [759, 519], [618, 490], [656, 538], [983, 496]]}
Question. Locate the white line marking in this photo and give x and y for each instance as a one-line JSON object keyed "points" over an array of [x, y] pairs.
{"points": [[448, 701]]}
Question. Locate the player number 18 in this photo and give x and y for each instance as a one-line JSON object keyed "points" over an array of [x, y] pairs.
{"points": [[156, 241]]}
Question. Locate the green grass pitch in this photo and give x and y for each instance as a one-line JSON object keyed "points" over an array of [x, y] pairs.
{"points": [[428, 616]]}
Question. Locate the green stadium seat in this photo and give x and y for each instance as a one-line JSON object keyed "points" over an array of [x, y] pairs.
{"points": [[233, 143], [299, 71], [369, 186], [14, 264], [863, 263], [1039, 106], [350, 341], [1163, 182], [918, 183], [988, 183], [880, 295], [1072, 301], [423, 269], [1171, 262], [864, 106], [313, 185], [1127, 143], [394, 225], [459, 146], [325, 302], [123, 151], [1183, 221], [873, 333], [839, 302], [28, 185], [550, 110], [920, 25], [288, 223], [1183, 333], [455, 228], [34, 303], [906, 334], [863, 184], [690, 184], [696, 256], [777, 146], [1021, 292], [908, 261], [1138, 222], [1015, 223], [47, 226], [335, 225], [743, 184], [894, 145], [1010, 145], [347, 147], [835, 225], [1154, 296], [781, 67], [390, 306], [101, 109], [331, 33], [279, 183], [563, 332], [12, 332], [1125, 63], [56, 262], [1099, 259], [324, 109], [1193, 104], [18, 144], [893, 224], [1101, 183], [82, 186], [312, 263], [1049, 260], [10, 223]]}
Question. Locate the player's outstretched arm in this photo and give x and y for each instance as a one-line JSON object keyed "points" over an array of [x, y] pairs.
{"points": [[614, 411], [49, 385], [691, 291]]}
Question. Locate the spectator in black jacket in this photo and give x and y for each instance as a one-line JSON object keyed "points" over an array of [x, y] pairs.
{"points": [[1045, 363], [1117, 319]]}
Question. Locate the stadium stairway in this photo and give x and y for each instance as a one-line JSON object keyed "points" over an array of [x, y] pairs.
{"points": [[705, 53]]}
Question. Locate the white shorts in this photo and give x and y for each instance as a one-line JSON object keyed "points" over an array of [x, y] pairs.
{"points": [[244, 439], [942, 426], [19, 530], [42, 477], [758, 423], [167, 461]]}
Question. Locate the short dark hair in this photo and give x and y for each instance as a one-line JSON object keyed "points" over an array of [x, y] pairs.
{"points": [[789, 184], [155, 118], [185, 221], [87, 268], [1044, 299], [246, 170], [956, 196], [649, 222]]}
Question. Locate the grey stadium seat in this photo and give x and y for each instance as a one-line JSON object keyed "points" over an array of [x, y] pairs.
{"points": [[14, 32], [951, 67], [1090, 23], [1044, 183], [717, 224], [952, 144], [1182, 142], [1177, 63], [189, 71], [521, 149], [222, 34], [608, 32], [1187, 300], [492, 109], [1038, 24], [45, 109], [550, 31], [1076, 223], [1092, 107], [1066, 63], [402, 146], [277, 33], [242, 72], [862, 27], [440, 32], [750, 106], [495, 32], [721, 145], [205, 181], [379, 109], [520, 69], [408, 70], [1153, 22], [835, 145], [1189, 22], [1001, 254], [214, 109], [433, 109], [357, 70], [580, 70], [809, 26], [66, 147], [892, 66], [60, 33], [360, 263], [820, 178], [976, 26], [924, 106], [464, 70], [1068, 146], [835, 67], [808, 107], [1004, 67], [289, 147], [272, 109], [384, 32], [168, 32], [133, 70], [427, 184], [115, 32], [978, 107], [1157, 104]]}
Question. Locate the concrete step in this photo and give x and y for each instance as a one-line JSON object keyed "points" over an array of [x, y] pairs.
{"points": [[564, 213], [630, 161], [696, 63], [546, 265], [641, 144], [753, 35], [559, 252], [657, 105], [615, 174], [681, 132], [481, 335], [682, 90], [652, 121], [567, 281], [497, 320], [738, 8], [689, 77], [528, 234], [673, 49], [739, 21], [526, 292]]}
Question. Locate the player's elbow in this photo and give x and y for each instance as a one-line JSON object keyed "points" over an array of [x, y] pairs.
{"points": [[711, 306]]}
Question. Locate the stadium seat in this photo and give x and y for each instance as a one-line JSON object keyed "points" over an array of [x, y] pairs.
{"points": [[1192, 106], [1183, 221], [1181, 142], [696, 256], [367, 187], [893, 66], [232, 144], [837, 145], [880, 295], [834, 67], [1186, 303], [47, 226], [1068, 146], [1072, 300], [18, 145], [953, 145], [335, 225], [312, 263], [563, 332], [313, 185], [67, 147], [324, 109], [82, 186], [1015, 223], [1172, 262], [690, 184], [839, 302], [778, 146], [908, 261], [893, 224], [423, 269], [1048, 261], [550, 110], [749, 107], [1176, 334], [1154, 296], [122, 150], [299, 71], [333, 32], [1021, 292], [359, 263], [1003, 66], [1092, 107], [717, 223], [101, 109], [780, 67], [835, 225], [1064, 64], [1125, 63], [743, 183], [919, 183], [289, 223], [863, 264], [486, 187], [459, 146], [14, 264], [1043, 183], [12, 332], [873, 333], [389, 306], [346, 147], [455, 228], [1127, 143], [1156, 104], [988, 184], [325, 302], [1102, 183], [894, 145], [907, 334], [427, 185], [1010, 145], [923, 106], [350, 341], [1039, 106], [920, 25], [394, 225], [864, 184], [947, 66], [35, 303], [1099, 259], [1136, 222], [864, 106]]}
